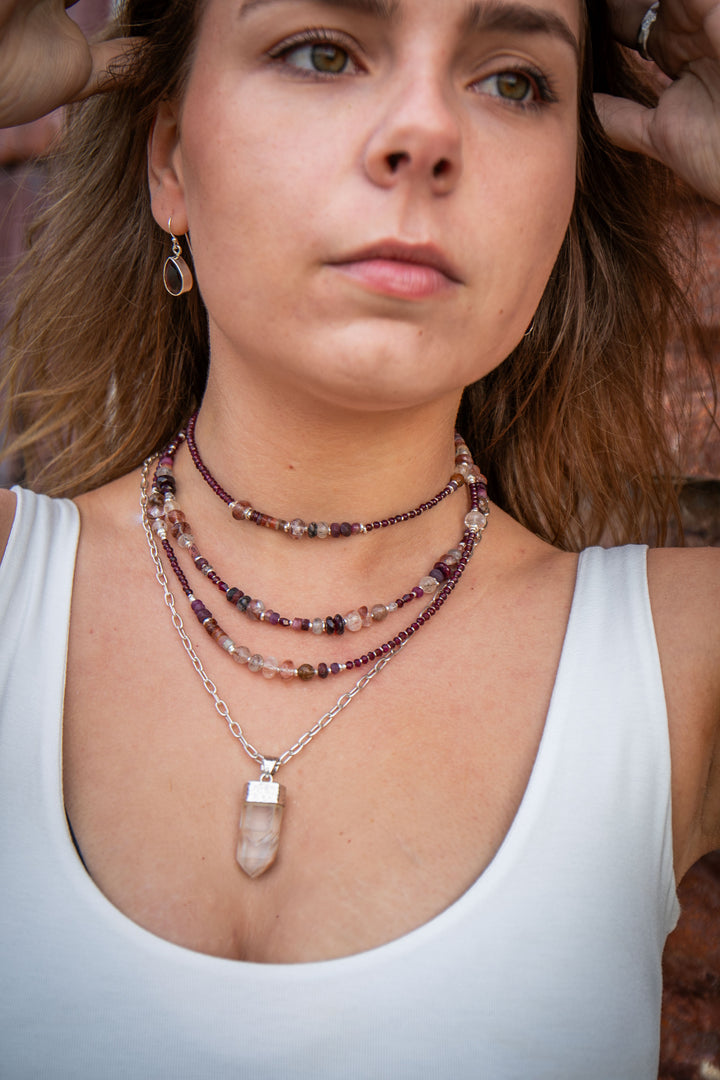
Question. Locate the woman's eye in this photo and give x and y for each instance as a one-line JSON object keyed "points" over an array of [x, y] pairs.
{"points": [[322, 57], [513, 86]]}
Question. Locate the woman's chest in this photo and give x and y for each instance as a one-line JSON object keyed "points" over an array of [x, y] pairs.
{"points": [[391, 811]]}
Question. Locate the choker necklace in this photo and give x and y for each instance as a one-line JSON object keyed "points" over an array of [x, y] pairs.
{"points": [[264, 801], [243, 511]]}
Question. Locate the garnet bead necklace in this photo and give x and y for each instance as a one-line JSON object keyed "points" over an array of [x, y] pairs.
{"points": [[296, 528]]}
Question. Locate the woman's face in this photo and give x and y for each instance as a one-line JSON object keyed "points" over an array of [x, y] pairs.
{"points": [[376, 190]]}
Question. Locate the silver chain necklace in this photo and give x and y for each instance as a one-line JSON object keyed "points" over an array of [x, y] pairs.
{"points": [[261, 816]]}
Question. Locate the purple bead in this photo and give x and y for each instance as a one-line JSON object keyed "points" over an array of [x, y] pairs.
{"points": [[355, 527], [335, 669], [339, 625], [364, 659], [296, 624], [233, 595], [408, 597], [437, 574], [306, 624], [323, 671], [329, 625], [197, 605], [417, 592], [335, 529], [272, 617], [385, 648], [346, 528]]}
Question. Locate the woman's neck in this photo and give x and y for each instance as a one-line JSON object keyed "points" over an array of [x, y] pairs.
{"points": [[305, 458]]}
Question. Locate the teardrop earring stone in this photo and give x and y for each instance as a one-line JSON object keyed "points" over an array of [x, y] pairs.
{"points": [[176, 276], [260, 822]]}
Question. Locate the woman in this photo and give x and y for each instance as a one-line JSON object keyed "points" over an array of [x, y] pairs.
{"points": [[476, 866]]}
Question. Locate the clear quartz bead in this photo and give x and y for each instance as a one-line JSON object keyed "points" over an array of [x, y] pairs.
{"points": [[270, 667], [256, 608], [287, 670], [475, 520], [353, 622], [323, 530], [240, 654], [255, 663], [318, 625], [298, 528], [428, 584]]}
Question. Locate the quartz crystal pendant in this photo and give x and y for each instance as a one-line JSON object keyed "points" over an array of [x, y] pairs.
{"points": [[260, 822]]}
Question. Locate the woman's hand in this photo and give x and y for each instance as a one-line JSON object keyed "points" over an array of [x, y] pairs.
{"points": [[46, 60], [683, 131]]}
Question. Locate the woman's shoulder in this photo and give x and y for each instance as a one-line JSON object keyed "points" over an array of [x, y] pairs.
{"points": [[684, 588]]}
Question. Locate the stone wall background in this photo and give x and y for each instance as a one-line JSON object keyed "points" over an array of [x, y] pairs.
{"points": [[691, 1001]]}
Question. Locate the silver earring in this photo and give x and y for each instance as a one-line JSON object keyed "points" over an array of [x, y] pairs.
{"points": [[177, 278]]}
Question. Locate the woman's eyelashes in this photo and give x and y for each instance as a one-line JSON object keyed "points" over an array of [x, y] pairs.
{"points": [[317, 53], [517, 86], [321, 53]]}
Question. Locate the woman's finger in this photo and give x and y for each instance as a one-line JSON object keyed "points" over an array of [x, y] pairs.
{"points": [[110, 61]]}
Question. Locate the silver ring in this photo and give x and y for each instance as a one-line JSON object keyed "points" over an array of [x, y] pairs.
{"points": [[648, 21]]}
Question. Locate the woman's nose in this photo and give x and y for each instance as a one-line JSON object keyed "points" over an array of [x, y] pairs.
{"points": [[417, 141]]}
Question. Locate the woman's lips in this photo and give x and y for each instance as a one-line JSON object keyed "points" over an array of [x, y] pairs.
{"points": [[395, 277], [394, 268]]}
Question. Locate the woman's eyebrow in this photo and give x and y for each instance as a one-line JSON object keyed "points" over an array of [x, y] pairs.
{"points": [[518, 18], [381, 9]]}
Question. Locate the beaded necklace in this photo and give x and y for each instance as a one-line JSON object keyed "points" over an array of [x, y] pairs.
{"points": [[243, 511], [264, 801], [167, 516], [353, 621]]}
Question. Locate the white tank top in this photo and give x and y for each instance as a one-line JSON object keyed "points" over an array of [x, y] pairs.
{"points": [[547, 967]]}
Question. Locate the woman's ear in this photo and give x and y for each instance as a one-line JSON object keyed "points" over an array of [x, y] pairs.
{"points": [[165, 176]]}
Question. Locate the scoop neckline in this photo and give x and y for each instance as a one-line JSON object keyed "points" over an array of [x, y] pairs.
{"points": [[101, 907]]}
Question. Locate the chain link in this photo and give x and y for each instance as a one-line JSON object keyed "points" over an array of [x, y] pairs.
{"points": [[220, 706]]}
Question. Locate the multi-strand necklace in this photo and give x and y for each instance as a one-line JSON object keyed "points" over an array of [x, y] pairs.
{"points": [[163, 518]]}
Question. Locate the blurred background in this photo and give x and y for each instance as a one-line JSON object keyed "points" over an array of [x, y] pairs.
{"points": [[691, 1002]]}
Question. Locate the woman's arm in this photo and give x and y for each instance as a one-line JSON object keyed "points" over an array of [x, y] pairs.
{"points": [[46, 61]]}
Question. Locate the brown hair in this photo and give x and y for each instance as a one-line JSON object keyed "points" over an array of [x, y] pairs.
{"points": [[102, 367]]}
